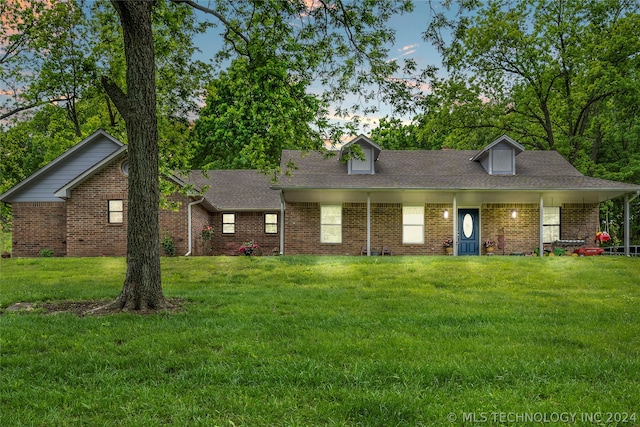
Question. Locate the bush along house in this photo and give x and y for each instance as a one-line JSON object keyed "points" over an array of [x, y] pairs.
{"points": [[501, 200]]}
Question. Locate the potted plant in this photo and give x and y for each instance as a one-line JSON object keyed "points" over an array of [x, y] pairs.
{"points": [[448, 246], [489, 245]]}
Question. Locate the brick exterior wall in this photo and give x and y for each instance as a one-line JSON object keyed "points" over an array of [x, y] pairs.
{"points": [[174, 223], [38, 226], [520, 234], [199, 219], [88, 230], [580, 221], [249, 226], [302, 233], [80, 227]]}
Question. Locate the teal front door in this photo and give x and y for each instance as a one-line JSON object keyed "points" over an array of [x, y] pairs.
{"points": [[468, 232]]}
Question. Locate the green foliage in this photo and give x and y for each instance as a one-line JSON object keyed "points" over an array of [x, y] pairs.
{"points": [[553, 75], [167, 244], [253, 111], [393, 134], [342, 45], [5, 240], [324, 341], [70, 59], [46, 253]]}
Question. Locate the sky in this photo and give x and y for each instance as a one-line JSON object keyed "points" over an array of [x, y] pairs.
{"points": [[408, 44]]}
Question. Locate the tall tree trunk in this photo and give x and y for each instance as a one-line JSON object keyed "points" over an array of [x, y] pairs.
{"points": [[142, 286]]}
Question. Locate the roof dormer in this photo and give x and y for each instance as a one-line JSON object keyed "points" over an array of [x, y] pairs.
{"points": [[499, 157], [362, 162]]}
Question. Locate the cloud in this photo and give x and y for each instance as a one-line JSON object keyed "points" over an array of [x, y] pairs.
{"points": [[409, 49]]}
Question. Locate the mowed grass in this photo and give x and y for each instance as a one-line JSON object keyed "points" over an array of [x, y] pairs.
{"points": [[299, 341]]}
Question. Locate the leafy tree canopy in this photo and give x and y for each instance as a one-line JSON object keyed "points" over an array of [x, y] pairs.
{"points": [[559, 75], [252, 112]]}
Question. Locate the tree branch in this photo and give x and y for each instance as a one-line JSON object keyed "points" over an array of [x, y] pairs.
{"points": [[29, 106], [218, 15], [119, 98]]}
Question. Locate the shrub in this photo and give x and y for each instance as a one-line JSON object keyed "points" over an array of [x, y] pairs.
{"points": [[46, 253], [168, 245]]}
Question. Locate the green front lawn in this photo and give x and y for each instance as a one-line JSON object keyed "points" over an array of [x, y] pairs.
{"points": [[298, 341]]}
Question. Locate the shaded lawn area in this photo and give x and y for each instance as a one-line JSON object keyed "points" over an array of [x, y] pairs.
{"points": [[277, 341]]}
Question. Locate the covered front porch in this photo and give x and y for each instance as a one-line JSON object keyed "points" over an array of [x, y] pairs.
{"points": [[513, 220]]}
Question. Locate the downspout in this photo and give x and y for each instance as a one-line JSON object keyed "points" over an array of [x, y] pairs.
{"points": [[541, 225], [627, 229], [282, 206], [189, 223], [369, 224]]}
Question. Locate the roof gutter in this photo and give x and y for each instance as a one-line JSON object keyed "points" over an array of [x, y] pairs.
{"points": [[189, 224]]}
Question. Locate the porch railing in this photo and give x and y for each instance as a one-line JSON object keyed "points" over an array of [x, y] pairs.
{"points": [[619, 250]]}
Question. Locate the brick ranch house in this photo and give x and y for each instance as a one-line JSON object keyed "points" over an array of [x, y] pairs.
{"points": [[357, 202]]}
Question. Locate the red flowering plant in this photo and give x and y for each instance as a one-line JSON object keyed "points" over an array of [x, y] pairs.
{"points": [[447, 243], [249, 248], [489, 244], [207, 233]]}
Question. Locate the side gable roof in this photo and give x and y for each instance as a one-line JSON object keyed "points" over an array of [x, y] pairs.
{"points": [[236, 190], [43, 184], [444, 170]]}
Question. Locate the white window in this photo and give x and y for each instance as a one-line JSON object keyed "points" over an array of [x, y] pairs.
{"points": [[228, 223], [331, 224], [551, 224], [413, 224], [271, 223], [116, 211]]}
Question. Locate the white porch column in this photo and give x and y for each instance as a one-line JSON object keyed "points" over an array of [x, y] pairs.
{"points": [[455, 224], [541, 235], [627, 228], [368, 224], [282, 207]]}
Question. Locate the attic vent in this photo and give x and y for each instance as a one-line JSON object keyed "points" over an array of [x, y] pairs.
{"points": [[364, 165], [367, 154], [502, 161], [499, 157]]}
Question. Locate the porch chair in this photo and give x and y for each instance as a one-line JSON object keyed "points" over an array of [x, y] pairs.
{"points": [[363, 250], [386, 251]]}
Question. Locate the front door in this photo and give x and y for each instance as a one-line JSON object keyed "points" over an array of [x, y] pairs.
{"points": [[468, 232]]}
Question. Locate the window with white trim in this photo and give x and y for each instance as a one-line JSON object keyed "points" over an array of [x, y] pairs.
{"points": [[271, 223], [115, 209], [228, 223], [412, 224], [550, 224], [331, 224]]}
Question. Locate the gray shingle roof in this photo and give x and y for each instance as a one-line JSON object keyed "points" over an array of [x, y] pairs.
{"points": [[236, 190], [441, 170]]}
